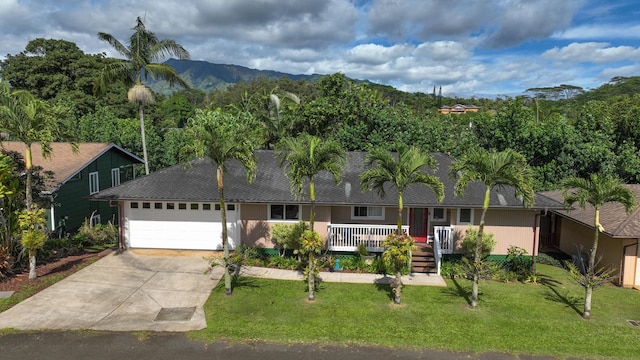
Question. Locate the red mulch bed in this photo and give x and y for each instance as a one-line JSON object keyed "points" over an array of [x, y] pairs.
{"points": [[64, 266]]}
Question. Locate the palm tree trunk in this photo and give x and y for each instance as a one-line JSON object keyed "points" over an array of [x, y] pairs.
{"points": [[590, 268], [29, 165], [400, 206], [477, 258], [312, 196], [32, 265], [311, 279], [144, 140], [398, 288], [225, 235]]}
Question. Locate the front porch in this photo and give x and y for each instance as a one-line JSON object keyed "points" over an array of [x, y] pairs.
{"points": [[427, 258]]}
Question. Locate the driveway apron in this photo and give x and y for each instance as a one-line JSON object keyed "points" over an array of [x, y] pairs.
{"points": [[124, 291]]}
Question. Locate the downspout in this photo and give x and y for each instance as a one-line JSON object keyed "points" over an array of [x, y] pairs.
{"points": [[624, 252]]}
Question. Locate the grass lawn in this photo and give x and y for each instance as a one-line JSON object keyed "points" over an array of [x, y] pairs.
{"points": [[514, 318]]}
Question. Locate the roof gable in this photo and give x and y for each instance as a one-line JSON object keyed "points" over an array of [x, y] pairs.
{"points": [[198, 183], [64, 162]]}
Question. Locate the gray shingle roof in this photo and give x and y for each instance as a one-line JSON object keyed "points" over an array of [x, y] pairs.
{"points": [[613, 216], [198, 183]]}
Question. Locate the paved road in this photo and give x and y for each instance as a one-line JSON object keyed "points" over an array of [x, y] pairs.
{"points": [[172, 346]]}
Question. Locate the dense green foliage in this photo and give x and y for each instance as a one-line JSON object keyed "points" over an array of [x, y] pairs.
{"points": [[561, 130]]}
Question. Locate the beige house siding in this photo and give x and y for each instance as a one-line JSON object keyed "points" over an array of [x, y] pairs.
{"points": [[509, 228], [610, 250], [256, 229]]}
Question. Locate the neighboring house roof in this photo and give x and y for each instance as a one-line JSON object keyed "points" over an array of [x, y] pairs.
{"points": [[63, 161], [198, 183], [613, 217]]}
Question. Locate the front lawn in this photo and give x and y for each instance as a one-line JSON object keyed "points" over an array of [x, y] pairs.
{"points": [[512, 317]]}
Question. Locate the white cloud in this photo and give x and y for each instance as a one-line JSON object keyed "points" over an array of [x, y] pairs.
{"points": [[596, 52]]}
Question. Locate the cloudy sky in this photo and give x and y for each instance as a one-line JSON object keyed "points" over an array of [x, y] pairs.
{"points": [[469, 47]]}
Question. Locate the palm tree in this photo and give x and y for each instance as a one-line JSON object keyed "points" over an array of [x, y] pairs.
{"points": [[143, 49], [303, 158], [30, 120], [505, 168], [597, 190], [306, 156], [401, 171], [223, 137]]}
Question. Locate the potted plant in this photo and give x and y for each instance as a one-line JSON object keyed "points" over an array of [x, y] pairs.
{"points": [[365, 255]]}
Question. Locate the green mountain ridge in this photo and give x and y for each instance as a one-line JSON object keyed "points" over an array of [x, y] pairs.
{"points": [[208, 77]]}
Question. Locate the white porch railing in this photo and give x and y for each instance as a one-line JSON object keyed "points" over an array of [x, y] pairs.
{"points": [[444, 237], [346, 237]]}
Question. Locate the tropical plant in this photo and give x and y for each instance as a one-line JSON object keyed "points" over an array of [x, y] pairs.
{"points": [[223, 137], [397, 257], [306, 156], [32, 222], [30, 121], [288, 236], [491, 168], [469, 243], [596, 191], [141, 53], [400, 172]]}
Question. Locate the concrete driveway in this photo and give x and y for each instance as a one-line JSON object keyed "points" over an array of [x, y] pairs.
{"points": [[124, 291]]}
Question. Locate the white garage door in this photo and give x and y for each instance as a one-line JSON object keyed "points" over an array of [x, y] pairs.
{"points": [[177, 225]]}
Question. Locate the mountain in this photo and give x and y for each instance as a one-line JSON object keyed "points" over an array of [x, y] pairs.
{"points": [[208, 77]]}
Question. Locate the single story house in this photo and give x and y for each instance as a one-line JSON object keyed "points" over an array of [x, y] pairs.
{"points": [[77, 175], [177, 208], [619, 244]]}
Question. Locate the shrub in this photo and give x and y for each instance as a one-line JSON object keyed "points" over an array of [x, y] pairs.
{"points": [[288, 237], [100, 234], [547, 259], [470, 240], [518, 262], [6, 262], [453, 269], [287, 263]]}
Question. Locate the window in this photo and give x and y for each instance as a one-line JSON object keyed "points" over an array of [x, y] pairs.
{"points": [[231, 207], [206, 206], [146, 205], [195, 206], [157, 206], [94, 185], [284, 212], [217, 207], [171, 206], [439, 214], [367, 213], [182, 206], [115, 177], [465, 216], [134, 205]]}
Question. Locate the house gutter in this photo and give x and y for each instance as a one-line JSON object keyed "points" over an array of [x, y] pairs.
{"points": [[624, 252]]}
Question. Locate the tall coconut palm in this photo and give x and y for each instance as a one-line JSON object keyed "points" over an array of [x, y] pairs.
{"points": [[141, 53], [223, 137], [491, 168], [30, 121], [303, 158], [399, 171], [596, 191]]}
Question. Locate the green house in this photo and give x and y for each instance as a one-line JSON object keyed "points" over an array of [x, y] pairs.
{"points": [[77, 175]]}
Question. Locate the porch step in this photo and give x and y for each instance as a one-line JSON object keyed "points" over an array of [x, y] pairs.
{"points": [[423, 259]]}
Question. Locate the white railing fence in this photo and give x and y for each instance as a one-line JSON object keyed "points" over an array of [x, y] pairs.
{"points": [[347, 237], [444, 238]]}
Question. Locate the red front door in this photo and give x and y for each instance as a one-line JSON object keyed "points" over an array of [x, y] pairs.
{"points": [[419, 224]]}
